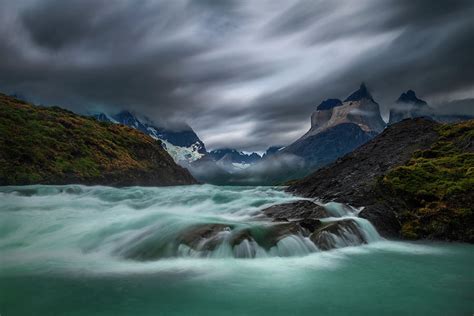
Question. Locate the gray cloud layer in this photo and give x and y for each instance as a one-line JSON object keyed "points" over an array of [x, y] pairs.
{"points": [[245, 74]]}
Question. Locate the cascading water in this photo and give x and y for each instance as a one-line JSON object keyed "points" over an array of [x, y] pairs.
{"points": [[154, 223]]}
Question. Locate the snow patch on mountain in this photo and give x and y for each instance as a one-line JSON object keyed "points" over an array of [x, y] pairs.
{"points": [[183, 146], [181, 154]]}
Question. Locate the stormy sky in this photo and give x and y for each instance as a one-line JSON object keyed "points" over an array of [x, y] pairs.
{"points": [[245, 74]]}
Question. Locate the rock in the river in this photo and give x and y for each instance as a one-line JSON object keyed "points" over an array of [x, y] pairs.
{"points": [[205, 236], [296, 210], [338, 234]]}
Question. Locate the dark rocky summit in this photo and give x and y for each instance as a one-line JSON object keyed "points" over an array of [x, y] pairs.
{"points": [[414, 180], [362, 93], [408, 105], [410, 97], [50, 145]]}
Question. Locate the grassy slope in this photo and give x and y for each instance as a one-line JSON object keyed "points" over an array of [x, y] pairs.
{"points": [[53, 145], [438, 187]]}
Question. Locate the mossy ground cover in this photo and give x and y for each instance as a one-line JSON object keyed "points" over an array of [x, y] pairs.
{"points": [[437, 185], [52, 145]]}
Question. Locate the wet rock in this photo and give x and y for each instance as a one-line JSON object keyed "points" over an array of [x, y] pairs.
{"points": [[296, 210], [338, 234], [275, 233], [280, 219], [240, 236], [310, 224], [204, 237]]}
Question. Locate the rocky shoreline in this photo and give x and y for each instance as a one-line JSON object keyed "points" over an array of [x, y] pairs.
{"points": [[365, 177]]}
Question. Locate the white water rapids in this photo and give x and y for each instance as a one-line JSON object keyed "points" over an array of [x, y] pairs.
{"points": [[145, 223]]}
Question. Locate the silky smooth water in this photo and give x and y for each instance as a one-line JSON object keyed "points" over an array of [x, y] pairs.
{"points": [[62, 253]]}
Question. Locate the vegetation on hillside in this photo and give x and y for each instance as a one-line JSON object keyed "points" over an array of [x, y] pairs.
{"points": [[51, 145], [438, 187]]}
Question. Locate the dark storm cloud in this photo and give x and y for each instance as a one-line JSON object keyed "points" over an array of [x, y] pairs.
{"points": [[245, 74]]}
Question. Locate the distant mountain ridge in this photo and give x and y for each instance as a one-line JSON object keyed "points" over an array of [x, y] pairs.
{"points": [[183, 145], [408, 105], [233, 160], [337, 128]]}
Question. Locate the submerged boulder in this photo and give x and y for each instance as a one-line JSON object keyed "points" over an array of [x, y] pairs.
{"points": [[338, 234], [204, 237]]}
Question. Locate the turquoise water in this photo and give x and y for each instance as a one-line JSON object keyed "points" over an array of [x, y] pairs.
{"points": [[59, 257]]}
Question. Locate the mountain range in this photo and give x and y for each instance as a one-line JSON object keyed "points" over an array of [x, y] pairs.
{"points": [[337, 128]]}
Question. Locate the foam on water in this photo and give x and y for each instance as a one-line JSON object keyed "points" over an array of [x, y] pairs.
{"points": [[96, 228]]}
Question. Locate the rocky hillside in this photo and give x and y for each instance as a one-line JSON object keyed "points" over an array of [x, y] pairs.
{"points": [[50, 145], [415, 180]]}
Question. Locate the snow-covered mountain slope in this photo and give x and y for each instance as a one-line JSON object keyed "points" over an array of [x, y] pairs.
{"points": [[233, 160], [234, 155], [183, 145]]}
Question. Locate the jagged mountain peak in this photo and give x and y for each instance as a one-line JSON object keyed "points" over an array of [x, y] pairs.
{"points": [[361, 93], [329, 104], [410, 97], [359, 108]]}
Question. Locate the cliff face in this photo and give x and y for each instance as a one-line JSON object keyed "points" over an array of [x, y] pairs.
{"points": [[414, 180], [359, 108], [337, 128], [50, 145]]}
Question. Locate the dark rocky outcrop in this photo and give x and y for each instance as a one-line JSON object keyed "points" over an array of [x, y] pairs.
{"points": [[50, 145], [410, 97], [413, 180]]}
